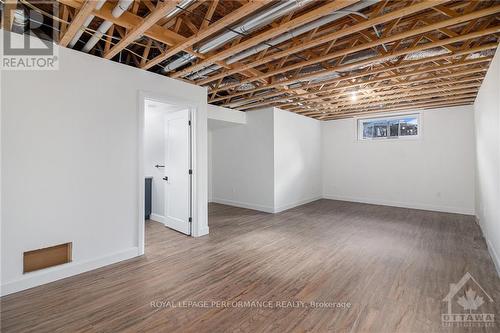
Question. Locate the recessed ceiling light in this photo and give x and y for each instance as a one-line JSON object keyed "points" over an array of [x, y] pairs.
{"points": [[354, 97]]}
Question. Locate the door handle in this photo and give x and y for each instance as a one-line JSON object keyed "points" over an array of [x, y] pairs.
{"points": [[165, 178]]}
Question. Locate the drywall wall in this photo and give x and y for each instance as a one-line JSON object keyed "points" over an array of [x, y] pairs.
{"points": [[243, 162], [270, 163], [70, 162], [297, 160], [434, 172], [225, 115], [219, 117], [487, 132]]}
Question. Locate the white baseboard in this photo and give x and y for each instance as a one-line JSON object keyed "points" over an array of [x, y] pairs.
{"points": [[157, 218], [33, 279], [258, 207], [493, 254], [262, 208], [295, 204], [202, 232], [445, 209]]}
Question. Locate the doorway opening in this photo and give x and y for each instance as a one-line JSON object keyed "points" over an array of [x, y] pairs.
{"points": [[167, 165]]}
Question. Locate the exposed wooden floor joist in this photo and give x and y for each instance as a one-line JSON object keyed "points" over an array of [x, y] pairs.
{"points": [[377, 46]]}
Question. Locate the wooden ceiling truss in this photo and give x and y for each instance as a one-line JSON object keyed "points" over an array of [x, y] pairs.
{"points": [[388, 56]]}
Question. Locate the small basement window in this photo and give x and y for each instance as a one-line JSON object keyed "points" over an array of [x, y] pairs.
{"points": [[393, 127]]}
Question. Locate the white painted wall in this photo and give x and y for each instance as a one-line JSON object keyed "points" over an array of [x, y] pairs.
{"points": [[219, 117], [226, 115], [271, 163], [70, 162], [487, 130], [297, 160], [435, 172], [243, 162]]}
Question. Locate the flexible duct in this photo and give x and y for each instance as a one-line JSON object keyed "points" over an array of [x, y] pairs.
{"points": [[288, 35], [265, 17], [89, 19]]}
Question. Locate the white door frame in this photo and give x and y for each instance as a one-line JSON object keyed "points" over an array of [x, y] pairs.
{"points": [[172, 100]]}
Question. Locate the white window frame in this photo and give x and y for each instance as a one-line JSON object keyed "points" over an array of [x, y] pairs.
{"points": [[361, 120]]}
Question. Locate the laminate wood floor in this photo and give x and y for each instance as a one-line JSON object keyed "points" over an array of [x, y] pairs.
{"points": [[393, 265]]}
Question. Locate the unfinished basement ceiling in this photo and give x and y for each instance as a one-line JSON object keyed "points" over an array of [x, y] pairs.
{"points": [[323, 59]]}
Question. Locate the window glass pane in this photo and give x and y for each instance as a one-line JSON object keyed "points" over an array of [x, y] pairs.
{"points": [[367, 130], [391, 127], [394, 128], [374, 129], [408, 126], [380, 129]]}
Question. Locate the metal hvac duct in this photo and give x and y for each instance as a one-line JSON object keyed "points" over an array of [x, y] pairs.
{"points": [[267, 16], [288, 35], [179, 8]]}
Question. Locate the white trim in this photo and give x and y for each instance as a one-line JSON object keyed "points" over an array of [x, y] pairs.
{"points": [[295, 204], [445, 209], [157, 218], [201, 232], [269, 209], [489, 245], [193, 116], [494, 255], [262, 208], [37, 278], [140, 171]]}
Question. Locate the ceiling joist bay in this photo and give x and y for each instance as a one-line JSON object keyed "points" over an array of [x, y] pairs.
{"points": [[309, 57]]}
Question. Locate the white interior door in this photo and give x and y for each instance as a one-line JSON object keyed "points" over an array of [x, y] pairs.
{"points": [[177, 176]]}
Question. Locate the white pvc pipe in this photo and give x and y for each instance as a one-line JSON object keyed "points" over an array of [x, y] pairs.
{"points": [[119, 9], [89, 19]]}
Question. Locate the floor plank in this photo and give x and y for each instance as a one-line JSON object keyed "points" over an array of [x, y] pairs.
{"points": [[393, 265]]}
